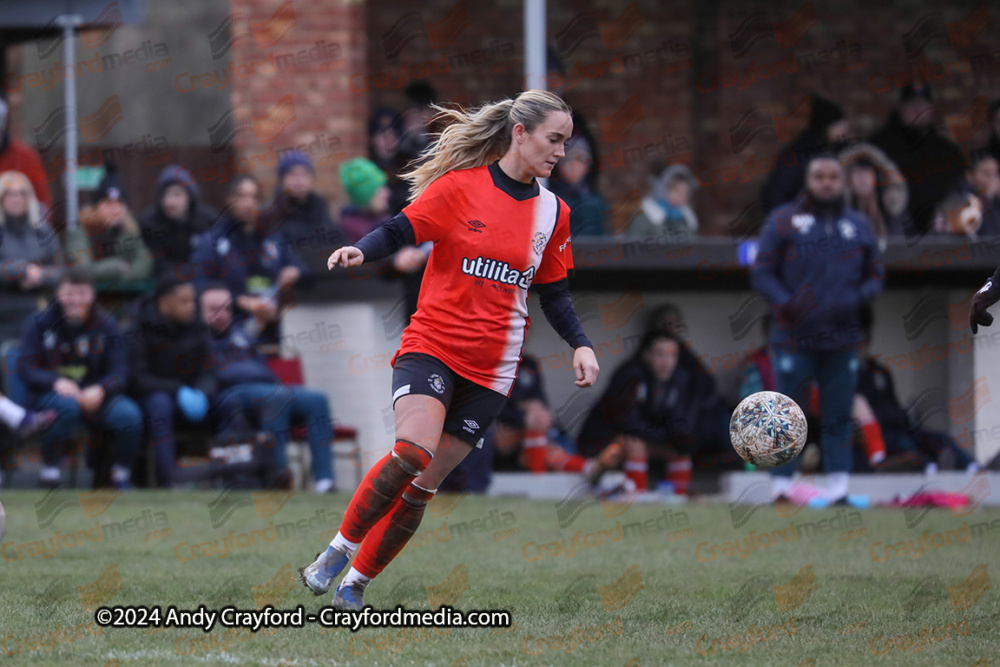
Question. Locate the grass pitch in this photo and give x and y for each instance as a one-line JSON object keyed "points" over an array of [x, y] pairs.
{"points": [[588, 584]]}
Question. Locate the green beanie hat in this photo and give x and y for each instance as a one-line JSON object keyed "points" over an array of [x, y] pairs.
{"points": [[361, 179]]}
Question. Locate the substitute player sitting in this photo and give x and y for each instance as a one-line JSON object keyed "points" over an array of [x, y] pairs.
{"points": [[497, 232]]}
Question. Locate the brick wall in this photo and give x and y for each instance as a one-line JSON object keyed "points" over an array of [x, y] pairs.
{"points": [[671, 79], [307, 101]]}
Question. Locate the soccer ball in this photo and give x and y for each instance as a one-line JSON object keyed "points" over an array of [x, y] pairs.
{"points": [[768, 429]]}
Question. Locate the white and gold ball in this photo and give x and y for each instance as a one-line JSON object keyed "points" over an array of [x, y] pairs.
{"points": [[768, 429]]}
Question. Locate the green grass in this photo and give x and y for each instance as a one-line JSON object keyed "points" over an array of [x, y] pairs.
{"points": [[678, 603]]}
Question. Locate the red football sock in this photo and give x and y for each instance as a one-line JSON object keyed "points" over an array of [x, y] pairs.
{"points": [[533, 455], [874, 442], [637, 471], [574, 463], [381, 487], [679, 472], [392, 532]]}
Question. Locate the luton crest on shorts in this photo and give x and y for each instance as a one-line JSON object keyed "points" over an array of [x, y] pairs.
{"points": [[437, 383]]}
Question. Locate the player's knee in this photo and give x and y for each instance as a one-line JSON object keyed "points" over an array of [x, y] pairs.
{"points": [[411, 457]]}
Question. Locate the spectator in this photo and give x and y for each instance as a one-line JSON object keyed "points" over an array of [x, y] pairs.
{"points": [[876, 188], [298, 213], [167, 349], [368, 194], [527, 437], [415, 121], [556, 77], [384, 136], [18, 156], [257, 266], [247, 385], [904, 445], [365, 185], [172, 224], [930, 162], [826, 131], [572, 182], [818, 265], [383, 139], [982, 180], [666, 209], [645, 411], [108, 240], [29, 253], [73, 361]]}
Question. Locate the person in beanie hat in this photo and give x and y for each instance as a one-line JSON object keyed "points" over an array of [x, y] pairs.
{"points": [[825, 132], [108, 241], [571, 181], [298, 212], [932, 165], [365, 186], [366, 190]]}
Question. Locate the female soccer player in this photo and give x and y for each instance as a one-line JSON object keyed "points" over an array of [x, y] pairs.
{"points": [[496, 233]]}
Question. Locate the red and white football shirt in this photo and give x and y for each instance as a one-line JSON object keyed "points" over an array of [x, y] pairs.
{"points": [[493, 238]]}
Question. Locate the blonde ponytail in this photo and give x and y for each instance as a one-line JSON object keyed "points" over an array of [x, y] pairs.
{"points": [[479, 136]]}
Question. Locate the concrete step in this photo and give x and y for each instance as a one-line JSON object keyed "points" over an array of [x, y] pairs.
{"points": [[755, 487]]}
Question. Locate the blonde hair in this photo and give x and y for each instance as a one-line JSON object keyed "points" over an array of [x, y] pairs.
{"points": [[14, 179], [479, 136]]}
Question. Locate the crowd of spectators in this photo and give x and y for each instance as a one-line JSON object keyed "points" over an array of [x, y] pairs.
{"points": [[209, 286]]}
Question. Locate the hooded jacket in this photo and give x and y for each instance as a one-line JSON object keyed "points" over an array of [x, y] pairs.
{"points": [[89, 353], [817, 268], [101, 248], [930, 162], [167, 355], [893, 195], [173, 241]]}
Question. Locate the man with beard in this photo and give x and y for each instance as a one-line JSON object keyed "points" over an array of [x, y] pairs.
{"points": [[930, 162], [73, 361], [818, 265]]}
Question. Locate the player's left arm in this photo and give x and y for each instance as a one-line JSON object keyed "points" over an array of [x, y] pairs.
{"points": [[552, 285]]}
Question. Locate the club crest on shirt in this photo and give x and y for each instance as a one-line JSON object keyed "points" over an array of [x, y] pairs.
{"points": [[803, 222], [538, 243], [437, 383], [847, 229]]}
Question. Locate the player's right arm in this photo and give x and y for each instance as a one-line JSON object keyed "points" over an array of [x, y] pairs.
{"points": [[426, 219]]}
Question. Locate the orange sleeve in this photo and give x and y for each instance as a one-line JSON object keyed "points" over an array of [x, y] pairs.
{"points": [[432, 214], [557, 261]]}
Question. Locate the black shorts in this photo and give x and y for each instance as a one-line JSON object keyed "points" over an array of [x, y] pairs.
{"points": [[470, 408]]}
